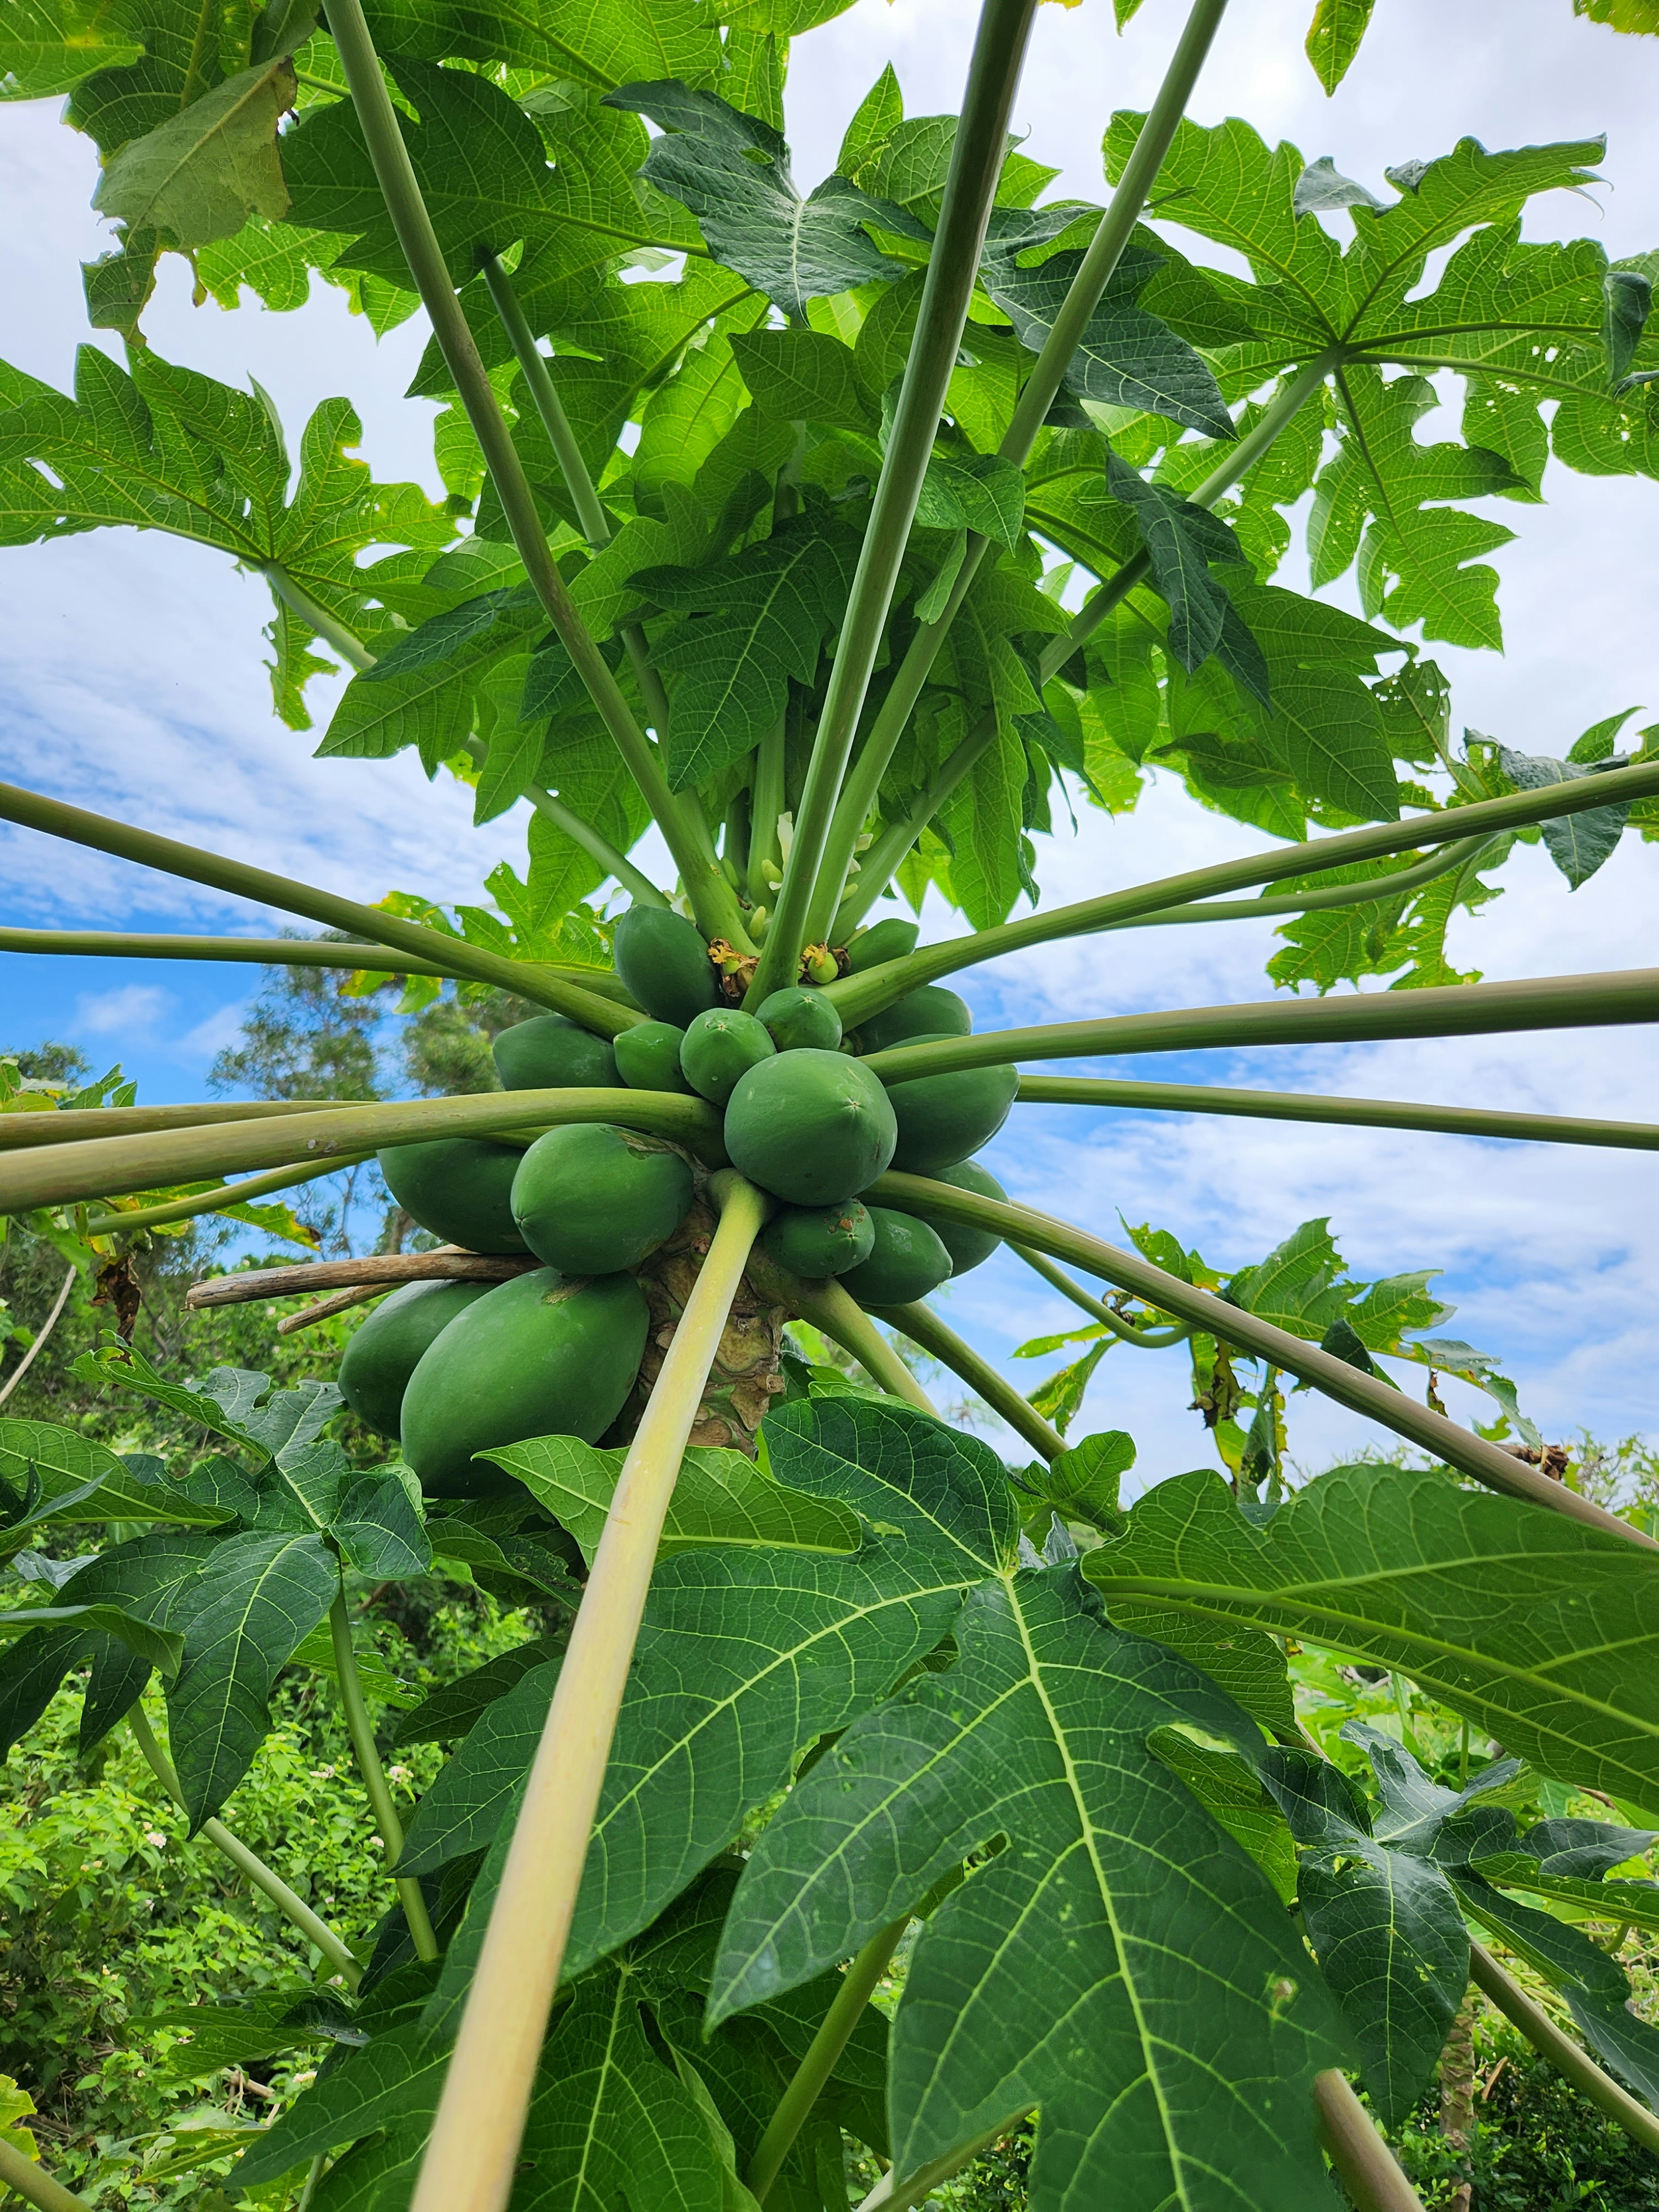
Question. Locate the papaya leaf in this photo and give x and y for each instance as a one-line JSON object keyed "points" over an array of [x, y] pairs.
{"points": [[167, 449], [1230, 1792], [422, 692], [1125, 357], [201, 175], [790, 1646], [1181, 541], [1457, 1832], [253, 1601], [720, 1497], [157, 1647], [1509, 1614], [1334, 38], [1103, 2030], [389, 2087], [141, 1579], [483, 172], [1384, 1925], [46, 47], [731, 171], [800, 375], [755, 621], [261, 2026], [377, 1528], [1635, 1904], [453, 1710], [597, 43], [1578, 843]]}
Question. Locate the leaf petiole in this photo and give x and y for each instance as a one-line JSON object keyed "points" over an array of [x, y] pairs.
{"points": [[292, 1907], [360, 1728]]}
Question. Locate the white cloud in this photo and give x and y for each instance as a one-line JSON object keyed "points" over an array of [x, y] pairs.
{"points": [[129, 1011]]}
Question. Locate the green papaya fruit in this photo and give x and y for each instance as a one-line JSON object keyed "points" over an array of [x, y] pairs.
{"points": [[385, 1351], [812, 1127], [721, 1047], [662, 959], [540, 1356], [931, 1011], [967, 1247], [648, 1057], [824, 1241], [799, 1020], [548, 1052], [907, 1260], [592, 1199], [882, 942], [459, 1187], [945, 1119]]}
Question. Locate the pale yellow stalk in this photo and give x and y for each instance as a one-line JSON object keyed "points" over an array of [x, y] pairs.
{"points": [[472, 2158]]}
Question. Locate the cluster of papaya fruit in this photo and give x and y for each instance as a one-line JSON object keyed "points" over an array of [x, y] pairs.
{"points": [[452, 1369]]}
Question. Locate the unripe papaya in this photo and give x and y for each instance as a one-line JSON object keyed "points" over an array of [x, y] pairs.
{"points": [[799, 1020], [541, 1356], [824, 1241], [967, 1247], [459, 1187], [720, 1048], [882, 942], [907, 1260], [945, 1119], [812, 1127], [386, 1349], [662, 959], [931, 1011], [592, 1199], [648, 1057], [548, 1052]]}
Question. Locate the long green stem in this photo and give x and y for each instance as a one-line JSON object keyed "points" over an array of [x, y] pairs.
{"points": [[881, 863], [1357, 2152], [251, 951], [896, 2192], [1563, 2053], [921, 1322], [360, 1728], [594, 522], [833, 1309], [292, 1907], [1143, 1340], [1352, 1113], [857, 996], [765, 806], [213, 1201], [848, 2008], [1547, 1002], [383, 135], [1329, 895], [1360, 1392], [102, 835], [57, 1175], [23, 1132], [472, 2156], [34, 2184], [1040, 389], [976, 159]]}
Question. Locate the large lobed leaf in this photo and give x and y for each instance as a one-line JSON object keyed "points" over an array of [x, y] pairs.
{"points": [[1542, 1631]]}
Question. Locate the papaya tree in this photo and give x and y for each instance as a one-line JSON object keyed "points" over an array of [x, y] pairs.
{"points": [[836, 537]]}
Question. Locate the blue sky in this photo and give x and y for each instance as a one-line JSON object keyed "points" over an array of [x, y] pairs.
{"points": [[130, 681]]}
